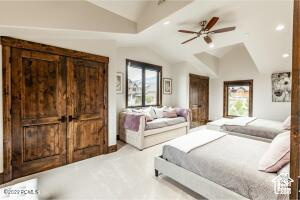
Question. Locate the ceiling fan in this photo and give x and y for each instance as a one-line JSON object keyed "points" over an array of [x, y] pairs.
{"points": [[205, 30]]}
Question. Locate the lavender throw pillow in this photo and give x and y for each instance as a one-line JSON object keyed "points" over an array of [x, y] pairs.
{"points": [[277, 155], [170, 114]]}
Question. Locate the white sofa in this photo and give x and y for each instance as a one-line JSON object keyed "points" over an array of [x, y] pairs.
{"points": [[144, 138]]}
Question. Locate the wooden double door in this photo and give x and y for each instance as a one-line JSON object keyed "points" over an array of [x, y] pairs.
{"points": [[199, 97], [58, 110]]}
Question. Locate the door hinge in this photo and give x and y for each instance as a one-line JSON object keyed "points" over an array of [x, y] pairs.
{"points": [[10, 60]]}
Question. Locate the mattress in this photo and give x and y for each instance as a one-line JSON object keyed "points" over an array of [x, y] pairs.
{"points": [[259, 128], [231, 162], [163, 122]]}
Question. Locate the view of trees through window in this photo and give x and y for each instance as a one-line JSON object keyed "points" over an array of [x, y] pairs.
{"points": [[142, 91], [134, 86], [151, 87], [238, 100]]}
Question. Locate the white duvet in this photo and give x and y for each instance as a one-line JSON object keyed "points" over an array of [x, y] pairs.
{"points": [[195, 139], [240, 121]]}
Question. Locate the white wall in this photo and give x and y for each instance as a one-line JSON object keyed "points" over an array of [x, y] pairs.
{"points": [[238, 65], [181, 83], [72, 15]]}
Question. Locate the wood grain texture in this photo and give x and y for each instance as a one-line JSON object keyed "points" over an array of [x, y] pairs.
{"points": [[1, 178], [7, 149], [112, 148], [18, 43], [86, 132], [295, 110], [38, 136], [199, 99], [225, 95]]}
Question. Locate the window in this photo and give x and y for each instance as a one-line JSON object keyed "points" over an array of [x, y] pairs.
{"points": [[143, 84], [238, 96]]}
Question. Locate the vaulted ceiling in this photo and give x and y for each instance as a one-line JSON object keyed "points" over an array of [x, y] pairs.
{"points": [[141, 23]]}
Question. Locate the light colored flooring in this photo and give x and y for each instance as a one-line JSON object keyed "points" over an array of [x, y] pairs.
{"points": [[125, 174]]}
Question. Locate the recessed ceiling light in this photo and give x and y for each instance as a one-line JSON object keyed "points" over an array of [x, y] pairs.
{"points": [[279, 27], [285, 55], [166, 22], [211, 45]]}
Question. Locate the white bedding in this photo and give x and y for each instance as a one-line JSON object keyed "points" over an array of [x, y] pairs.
{"points": [[195, 139], [240, 121]]}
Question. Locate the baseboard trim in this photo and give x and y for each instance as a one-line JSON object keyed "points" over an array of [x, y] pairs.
{"points": [[112, 148]]}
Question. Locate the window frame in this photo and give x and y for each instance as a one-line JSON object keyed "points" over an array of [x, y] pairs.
{"points": [[227, 84], [145, 66]]}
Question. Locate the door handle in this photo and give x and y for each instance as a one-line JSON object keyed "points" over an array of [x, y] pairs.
{"points": [[62, 119], [71, 118]]}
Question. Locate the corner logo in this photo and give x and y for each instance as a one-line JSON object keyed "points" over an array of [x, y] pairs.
{"points": [[282, 184]]}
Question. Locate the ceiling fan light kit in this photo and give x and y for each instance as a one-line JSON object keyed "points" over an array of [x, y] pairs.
{"points": [[205, 30]]}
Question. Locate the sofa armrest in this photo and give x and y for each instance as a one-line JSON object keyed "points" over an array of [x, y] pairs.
{"points": [[122, 129], [142, 125]]}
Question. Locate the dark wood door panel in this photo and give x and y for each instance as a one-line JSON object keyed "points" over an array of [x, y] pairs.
{"points": [[89, 87], [198, 99], [38, 103], [203, 99], [86, 109], [43, 145], [44, 126], [87, 133]]}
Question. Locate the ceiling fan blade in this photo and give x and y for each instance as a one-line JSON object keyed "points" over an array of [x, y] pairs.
{"points": [[222, 30], [207, 39], [211, 23], [189, 40], [186, 31]]}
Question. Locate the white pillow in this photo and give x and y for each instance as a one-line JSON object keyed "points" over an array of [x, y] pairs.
{"points": [[287, 123], [149, 112], [159, 112], [277, 155]]}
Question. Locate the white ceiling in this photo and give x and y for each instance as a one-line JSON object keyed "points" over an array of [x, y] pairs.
{"points": [[255, 22], [128, 9]]}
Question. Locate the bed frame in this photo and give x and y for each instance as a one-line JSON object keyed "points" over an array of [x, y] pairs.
{"points": [[196, 183]]}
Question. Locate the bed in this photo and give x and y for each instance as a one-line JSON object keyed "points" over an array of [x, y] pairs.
{"points": [[261, 129], [222, 169]]}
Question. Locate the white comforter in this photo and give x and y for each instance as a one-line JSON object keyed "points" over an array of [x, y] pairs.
{"points": [[195, 139], [240, 121]]}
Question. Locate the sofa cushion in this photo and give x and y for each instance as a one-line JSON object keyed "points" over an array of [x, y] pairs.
{"points": [[163, 122]]}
